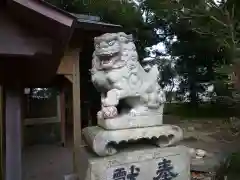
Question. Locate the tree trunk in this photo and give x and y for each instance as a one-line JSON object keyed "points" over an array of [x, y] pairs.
{"points": [[193, 93]]}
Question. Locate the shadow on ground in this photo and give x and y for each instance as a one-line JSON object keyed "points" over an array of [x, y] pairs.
{"points": [[47, 162]]}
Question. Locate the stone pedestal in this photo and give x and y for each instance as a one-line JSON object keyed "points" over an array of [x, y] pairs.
{"points": [[103, 142], [144, 163]]}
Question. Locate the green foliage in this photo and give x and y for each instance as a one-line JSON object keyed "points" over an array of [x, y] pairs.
{"points": [[197, 54], [202, 17], [197, 58]]}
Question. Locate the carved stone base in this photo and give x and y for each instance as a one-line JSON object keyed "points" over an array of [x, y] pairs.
{"points": [[127, 121], [145, 163], [103, 142]]}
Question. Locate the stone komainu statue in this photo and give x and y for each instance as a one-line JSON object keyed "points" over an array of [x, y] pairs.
{"points": [[132, 100], [118, 75]]}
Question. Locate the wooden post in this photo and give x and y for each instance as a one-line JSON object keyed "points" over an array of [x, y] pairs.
{"points": [[76, 108], [1, 136], [23, 111], [13, 135], [61, 115]]}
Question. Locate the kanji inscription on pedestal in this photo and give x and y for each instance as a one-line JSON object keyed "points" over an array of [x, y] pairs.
{"points": [[165, 171], [122, 174], [172, 163]]}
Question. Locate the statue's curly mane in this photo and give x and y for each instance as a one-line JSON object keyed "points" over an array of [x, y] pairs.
{"points": [[128, 51]]}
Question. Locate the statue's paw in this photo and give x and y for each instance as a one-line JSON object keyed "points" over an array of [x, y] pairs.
{"points": [[110, 102], [112, 98]]}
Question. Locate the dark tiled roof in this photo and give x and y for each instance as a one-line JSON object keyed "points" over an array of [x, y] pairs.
{"points": [[82, 18]]}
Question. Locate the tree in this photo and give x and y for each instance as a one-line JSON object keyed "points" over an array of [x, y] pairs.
{"points": [[221, 20], [197, 53]]}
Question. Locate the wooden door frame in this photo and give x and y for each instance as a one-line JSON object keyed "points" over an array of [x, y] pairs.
{"points": [[69, 67], [2, 136]]}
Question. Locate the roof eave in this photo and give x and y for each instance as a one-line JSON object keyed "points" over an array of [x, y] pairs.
{"points": [[97, 26]]}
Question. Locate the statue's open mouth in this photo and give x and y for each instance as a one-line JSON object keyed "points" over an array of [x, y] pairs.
{"points": [[107, 59]]}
